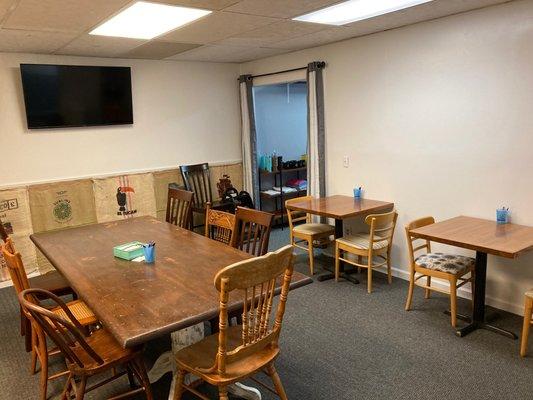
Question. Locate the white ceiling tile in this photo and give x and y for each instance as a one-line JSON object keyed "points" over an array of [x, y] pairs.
{"points": [[205, 4], [100, 46], [329, 35], [155, 50], [62, 16], [276, 32], [218, 53], [17, 41], [216, 26], [280, 8]]}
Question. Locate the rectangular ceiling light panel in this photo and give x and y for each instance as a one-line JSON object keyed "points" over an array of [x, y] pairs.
{"points": [[357, 10], [145, 20]]}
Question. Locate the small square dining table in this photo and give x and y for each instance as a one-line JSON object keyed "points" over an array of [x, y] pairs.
{"points": [[339, 208], [484, 237]]}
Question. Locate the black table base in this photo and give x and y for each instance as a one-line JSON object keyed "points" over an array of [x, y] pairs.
{"points": [[339, 232], [477, 321]]}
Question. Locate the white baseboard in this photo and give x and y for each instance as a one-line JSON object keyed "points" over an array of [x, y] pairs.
{"points": [[466, 293]]}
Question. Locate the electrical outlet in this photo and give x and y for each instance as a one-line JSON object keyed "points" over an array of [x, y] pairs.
{"points": [[348, 231], [346, 161]]}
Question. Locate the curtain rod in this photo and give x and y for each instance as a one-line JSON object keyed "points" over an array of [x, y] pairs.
{"points": [[279, 72]]}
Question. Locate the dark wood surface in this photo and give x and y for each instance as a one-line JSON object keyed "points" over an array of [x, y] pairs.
{"points": [[341, 207], [135, 301], [505, 240]]}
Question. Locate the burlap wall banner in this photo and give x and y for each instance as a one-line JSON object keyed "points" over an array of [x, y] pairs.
{"points": [[161, 181], [15, 215], [43, 264], [124, 196], [233, 170], [61, 205]]}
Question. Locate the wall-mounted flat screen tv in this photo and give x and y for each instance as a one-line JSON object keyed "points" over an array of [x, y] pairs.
{"points": [[58, 96]]}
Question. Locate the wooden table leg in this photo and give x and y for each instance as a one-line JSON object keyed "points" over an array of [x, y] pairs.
{"points": [[166, 363]]}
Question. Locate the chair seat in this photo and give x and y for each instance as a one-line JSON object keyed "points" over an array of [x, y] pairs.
{"points": [[362, 241], [53, 282], [201, 356], [448, 263], [106, 346], [314, 229], [80, 311]]}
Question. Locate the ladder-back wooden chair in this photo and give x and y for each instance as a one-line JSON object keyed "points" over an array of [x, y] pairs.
{"points": [[313, 234], [528, 321], [39, 349], [86, 354], [450, 267], [219, 225], [252, 231], [52, 281], [374, 246], [240, 352], [179, 207]]}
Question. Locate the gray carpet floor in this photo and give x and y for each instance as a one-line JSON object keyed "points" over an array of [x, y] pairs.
{"points": [[338, 342]]}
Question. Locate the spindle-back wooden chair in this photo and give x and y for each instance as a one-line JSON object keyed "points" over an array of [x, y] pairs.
{"points": [[374, 246], [219, 225], [313, 234], [38, 345], [528, 321], [86, 354], [449, 267], [252, 231], [179, 207], [240, 352]]}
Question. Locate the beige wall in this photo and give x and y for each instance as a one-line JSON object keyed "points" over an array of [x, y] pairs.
{"points": [[183, 113], [436, 117]]}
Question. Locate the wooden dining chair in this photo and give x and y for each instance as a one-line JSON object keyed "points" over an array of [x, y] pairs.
{"points": [[179, 207], [38, 344], [252, 231], [87, 354], [239, 352], [450, 267], [528, 321], [375, 246], [313, 234], [219, 225]]}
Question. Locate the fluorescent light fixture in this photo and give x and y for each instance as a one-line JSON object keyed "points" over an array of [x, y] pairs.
{"points": [[357, 10], [144, 20]]}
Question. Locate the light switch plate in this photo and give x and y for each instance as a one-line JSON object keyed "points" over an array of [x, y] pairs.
{"points": [[346, 161]]}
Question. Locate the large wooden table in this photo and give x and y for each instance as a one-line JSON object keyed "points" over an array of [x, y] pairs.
{"points": [[340, 207], [484, 237], [136, 301]]}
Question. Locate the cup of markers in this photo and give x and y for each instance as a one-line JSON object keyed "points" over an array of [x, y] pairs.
{"points": [[149, 252], [502, 215], [358, 192]]}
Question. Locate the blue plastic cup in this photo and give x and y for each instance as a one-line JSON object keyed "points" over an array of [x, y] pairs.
{"points": [[502, 216], [358, 193], [149, 254]]}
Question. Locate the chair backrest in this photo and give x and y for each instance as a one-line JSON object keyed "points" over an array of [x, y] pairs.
{"points": [[3, 233], [252, 231], [197, 179], [382, 227], [255, 281], [426, 244], [294, 215], [219, 225], [179, 207], [66, 333], [15, 266]]}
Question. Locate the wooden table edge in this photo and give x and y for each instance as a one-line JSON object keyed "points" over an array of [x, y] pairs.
{"points": [[382, 207]]}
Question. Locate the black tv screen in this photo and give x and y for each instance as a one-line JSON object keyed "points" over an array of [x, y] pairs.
{"points": [[71, 95]]}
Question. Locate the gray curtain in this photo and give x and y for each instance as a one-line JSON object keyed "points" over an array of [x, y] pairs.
{"points": [[249, 138], [316, 140]]}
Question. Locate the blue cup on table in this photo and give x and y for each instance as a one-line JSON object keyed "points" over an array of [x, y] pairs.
{"points": [[358, 193], [149, 253], [502, 215]]}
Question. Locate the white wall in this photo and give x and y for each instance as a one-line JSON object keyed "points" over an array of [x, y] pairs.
{"points": [[436, 117], [183, 113], [281, 119]]}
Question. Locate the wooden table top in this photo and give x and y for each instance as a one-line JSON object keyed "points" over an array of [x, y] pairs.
{"points": [[138, 302], [341, 207], [505, 240]]}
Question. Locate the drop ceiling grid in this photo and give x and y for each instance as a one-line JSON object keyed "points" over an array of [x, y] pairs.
{"points": [[236, 31]]}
